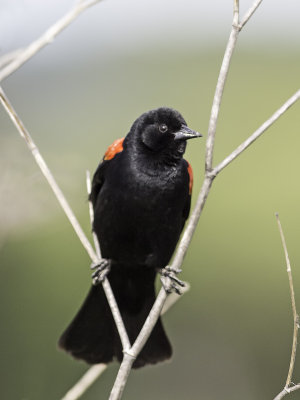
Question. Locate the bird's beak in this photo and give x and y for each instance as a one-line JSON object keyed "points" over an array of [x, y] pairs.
{"points": [[186, 133]]}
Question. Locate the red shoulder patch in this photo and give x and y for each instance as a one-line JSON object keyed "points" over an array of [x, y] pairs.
{"points": [[190, 171], [115, 148]]}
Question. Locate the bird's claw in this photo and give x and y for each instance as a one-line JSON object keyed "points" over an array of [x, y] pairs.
{"points": [[101, 269], [172, 284]]}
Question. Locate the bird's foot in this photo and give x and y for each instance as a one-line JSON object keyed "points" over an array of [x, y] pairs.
{"points": [[173, 284], [101, 269]]}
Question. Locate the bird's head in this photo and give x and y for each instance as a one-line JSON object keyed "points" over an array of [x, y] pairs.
{"points": [[163, 132]]}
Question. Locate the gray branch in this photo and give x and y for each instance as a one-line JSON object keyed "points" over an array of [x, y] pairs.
{"points": [[242, 147], [48, 175], [215, 109], [14, 60], [249, 13], [69, 213], [289, 386], [105, 283]]}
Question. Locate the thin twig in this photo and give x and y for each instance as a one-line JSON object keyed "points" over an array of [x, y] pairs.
{"points": [[257, 133], [68, 211], [48, 175], [105, 283], [249, 13], [122, 377], [236, 12], [140, 341], [295, 314], [235, 30], [215, 109], [45, 39]]}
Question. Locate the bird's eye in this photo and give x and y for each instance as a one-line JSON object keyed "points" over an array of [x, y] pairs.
{"points": [[163, 128]]}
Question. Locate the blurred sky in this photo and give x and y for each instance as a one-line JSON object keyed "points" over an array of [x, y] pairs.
{"points": [[134, 23]]}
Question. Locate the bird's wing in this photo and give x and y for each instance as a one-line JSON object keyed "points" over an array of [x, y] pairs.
{"points": [[187, 206], [97, 182], [98, 178]]}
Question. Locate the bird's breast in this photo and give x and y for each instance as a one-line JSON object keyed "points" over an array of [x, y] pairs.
{"points": [[139, 214]]}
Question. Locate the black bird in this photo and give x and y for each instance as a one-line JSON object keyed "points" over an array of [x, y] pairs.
{"points": [[141, 194]]}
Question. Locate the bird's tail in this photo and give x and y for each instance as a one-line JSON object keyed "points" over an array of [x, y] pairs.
{"points": [[92, 335]]}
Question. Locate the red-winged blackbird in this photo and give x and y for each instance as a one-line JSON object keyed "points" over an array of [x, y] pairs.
{"points": [[141, 194]]}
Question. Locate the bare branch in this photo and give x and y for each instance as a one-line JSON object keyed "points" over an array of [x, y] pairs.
{"points": [[22, 56], [236, 12], [143, 336], [249, 13], [288, 383], [122, 377], [242, 147], [212, 126], [105, 283], [286, 391], [48, 175]]}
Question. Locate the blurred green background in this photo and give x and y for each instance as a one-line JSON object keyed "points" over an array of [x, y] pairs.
{"points": [[232, 332]]}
